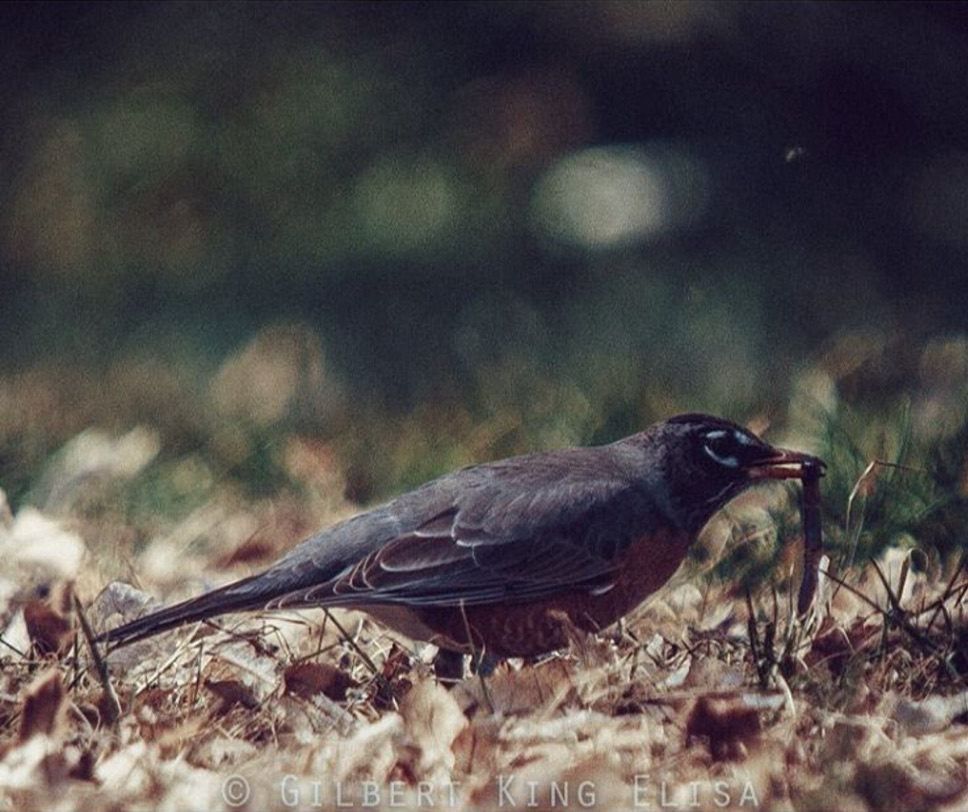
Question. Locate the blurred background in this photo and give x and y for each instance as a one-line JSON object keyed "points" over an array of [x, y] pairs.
{"points": [[380, 240]]}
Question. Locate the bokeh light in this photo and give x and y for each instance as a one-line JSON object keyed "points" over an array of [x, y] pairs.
{"points": [[613, 196]]}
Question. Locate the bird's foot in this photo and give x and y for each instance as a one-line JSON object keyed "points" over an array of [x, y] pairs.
{"points": [[484, 664], [449, 666]]}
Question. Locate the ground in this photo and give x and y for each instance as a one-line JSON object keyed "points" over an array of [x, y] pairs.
{"points": [[688, 704]]}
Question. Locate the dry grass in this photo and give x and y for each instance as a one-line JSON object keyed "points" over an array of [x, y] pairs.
{"points": [[694, 702], [710, 696]]}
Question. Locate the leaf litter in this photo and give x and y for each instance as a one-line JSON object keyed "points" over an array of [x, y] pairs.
{"points": [[696, 701]]}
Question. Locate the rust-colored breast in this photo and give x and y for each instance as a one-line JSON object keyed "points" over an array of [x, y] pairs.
{"points": [[528, 629]]}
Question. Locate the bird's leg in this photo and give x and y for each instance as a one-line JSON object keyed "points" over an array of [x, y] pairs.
{"points": [[449, 665], [478, 662], [484, 663]]}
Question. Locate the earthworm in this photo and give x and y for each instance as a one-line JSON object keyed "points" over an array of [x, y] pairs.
{"points": [[812, 536]]}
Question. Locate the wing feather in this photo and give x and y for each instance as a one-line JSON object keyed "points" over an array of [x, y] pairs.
{"points": [[500, 539], [515, 529]]}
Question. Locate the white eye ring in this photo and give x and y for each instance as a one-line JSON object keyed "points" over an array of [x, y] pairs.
{"points": [[739, 437], [729, 462]]}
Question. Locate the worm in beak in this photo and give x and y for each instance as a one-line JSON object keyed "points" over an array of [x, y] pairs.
{"points": [[785, 464]]}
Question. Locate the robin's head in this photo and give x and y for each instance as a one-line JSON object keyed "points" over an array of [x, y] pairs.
{"points": [[705, 461]]}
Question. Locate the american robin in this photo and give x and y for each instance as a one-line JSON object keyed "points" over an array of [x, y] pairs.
{"points": [[499, 557]]}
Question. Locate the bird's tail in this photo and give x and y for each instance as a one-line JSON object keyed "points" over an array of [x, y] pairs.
{"points": [[241, 596]]}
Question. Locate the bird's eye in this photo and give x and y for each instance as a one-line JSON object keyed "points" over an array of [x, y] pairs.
{"points": [[722, 447]]}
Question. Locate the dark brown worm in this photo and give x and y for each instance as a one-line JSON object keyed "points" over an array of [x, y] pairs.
{"points": [[812, 537]]}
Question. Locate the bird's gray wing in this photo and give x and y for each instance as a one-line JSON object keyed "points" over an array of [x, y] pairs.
{"points": [[517, 529], [509, 531]]}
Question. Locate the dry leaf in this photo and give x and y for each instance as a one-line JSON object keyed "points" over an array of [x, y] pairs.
{"points": [[727, 722], [43, 706], [232, 692], [433, 719], [305, 680], [90, 457], [711, 674], [40, 548], [254, 549], [372, 751], [49, 622], [931, 715], [518, 691]]}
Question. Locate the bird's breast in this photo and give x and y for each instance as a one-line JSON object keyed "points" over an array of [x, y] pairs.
{"points": [[536, 627]]}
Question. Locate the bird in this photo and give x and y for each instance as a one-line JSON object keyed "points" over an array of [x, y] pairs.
{"points": [[508, 557]]}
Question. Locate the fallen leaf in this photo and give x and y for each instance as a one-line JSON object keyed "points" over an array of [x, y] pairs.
{"points": [[254, 548], [42, 549], [518, 691], [42, 707], [231, 692], [727, 722], [433, 719], [49, 622], [308, 679], [930, 715]]}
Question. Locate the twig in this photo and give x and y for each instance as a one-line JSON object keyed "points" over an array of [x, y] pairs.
{"points": [[112, 709], [948, 590], [853, 590], [196, 685], [382, 682], [897, 615], [348, 638], [762, 674], [13, 648], [892, 598], [477, 659]]}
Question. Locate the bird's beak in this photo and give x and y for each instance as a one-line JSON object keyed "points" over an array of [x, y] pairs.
{"points": [[784, 464]]}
